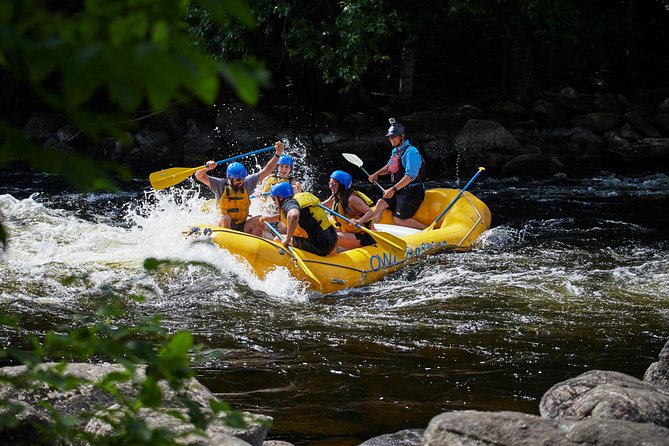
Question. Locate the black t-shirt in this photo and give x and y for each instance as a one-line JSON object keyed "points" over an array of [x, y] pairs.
{"points": [[306, 219]]}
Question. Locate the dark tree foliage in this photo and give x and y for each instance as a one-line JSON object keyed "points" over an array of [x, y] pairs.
{"points": [[519, 46]]}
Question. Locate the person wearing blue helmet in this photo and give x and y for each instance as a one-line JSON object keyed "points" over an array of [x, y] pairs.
{"points": [[284, 172], [307, 226], [353, 204], [233, 194], [407, 169]]}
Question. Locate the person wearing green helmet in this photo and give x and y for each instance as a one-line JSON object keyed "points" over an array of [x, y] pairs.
{"points": [[406, 195], [233, 194]]}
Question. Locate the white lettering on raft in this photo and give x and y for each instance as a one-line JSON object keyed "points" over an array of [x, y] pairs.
{"points": [[386, 260]]}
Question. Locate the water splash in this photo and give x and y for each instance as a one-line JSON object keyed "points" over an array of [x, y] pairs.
{"points": [[46, 246]]}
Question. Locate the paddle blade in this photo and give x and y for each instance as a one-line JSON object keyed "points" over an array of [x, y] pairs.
{"points": [[391, 240], [295, 255], [304, 266], [353, 159], [169, 177]]}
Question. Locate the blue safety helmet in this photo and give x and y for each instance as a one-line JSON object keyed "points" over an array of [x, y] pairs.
{"points": [[287, 160], [236, 171], [282, 190], [342, 178], [395, 128]]}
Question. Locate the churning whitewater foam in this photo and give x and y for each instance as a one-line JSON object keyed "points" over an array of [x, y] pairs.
{"points": [[45, 246]]}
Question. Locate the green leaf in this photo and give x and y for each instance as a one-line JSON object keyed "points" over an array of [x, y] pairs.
{"points": [[246, 82], [219, 9], [153, 263], [181, 343], [151, 395]]}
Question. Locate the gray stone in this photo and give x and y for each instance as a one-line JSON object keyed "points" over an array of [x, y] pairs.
{"points": [[472, 428], [548, 113], [43, 125], [532, 165], [641, 125], [629, 133], [584, 136], [597, 122], [607, 395], [90, 403], [213, 436], [407, 437], [658, 372], [650, 152], [478, 135], [614, 140]]}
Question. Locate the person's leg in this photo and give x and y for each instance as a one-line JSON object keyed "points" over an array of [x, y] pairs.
{"points": [[347, 240], [253, 226], [409, 222], [381, 206]]}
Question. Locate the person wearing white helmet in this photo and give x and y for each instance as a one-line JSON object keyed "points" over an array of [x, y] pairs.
{"points": [[406, 164], [233, 194]]}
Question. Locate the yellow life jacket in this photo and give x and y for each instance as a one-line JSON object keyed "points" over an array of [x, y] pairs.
{"points": [[274, 179], [235, 202], [311, 202], [344, 226]]}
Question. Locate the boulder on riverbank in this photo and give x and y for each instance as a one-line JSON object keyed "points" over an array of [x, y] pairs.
{"points": [[558, 132], [597, 408], [91, 406]]}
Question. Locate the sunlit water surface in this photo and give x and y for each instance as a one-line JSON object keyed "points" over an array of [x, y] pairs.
{"points": [[572, 277]]}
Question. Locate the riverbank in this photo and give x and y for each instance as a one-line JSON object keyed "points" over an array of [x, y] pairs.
{"points": [[558, 132], [596, 408]]}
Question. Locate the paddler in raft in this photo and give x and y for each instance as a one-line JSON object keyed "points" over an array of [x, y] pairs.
{"points": [[283, 173], [353, 205], [406, 164], [233, 194], [307, 225]]}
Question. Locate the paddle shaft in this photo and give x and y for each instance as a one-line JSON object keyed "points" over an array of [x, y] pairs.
{"points": [[375, 182], [175, 175], [378, 237], [295, 255], [462, 191], [255, 152]]}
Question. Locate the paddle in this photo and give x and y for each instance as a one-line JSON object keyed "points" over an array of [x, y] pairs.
{"points": [[355, 160], [388, 241], [175, 175], [462, 191], [295, 255]]}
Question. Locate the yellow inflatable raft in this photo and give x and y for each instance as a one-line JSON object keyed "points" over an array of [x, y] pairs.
{"points": [[456, 231]]}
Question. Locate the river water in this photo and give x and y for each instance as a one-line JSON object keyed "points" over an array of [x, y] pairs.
{"points": [[573, 276]]}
